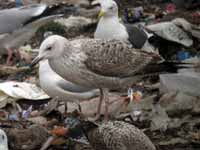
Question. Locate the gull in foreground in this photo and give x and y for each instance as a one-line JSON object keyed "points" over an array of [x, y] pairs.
{"points": [[98, 63], [114, 135], [55, 86]]}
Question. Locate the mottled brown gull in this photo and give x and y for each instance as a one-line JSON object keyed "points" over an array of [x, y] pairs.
{"points": [[115, 135], [55, 86], [98, 63]]}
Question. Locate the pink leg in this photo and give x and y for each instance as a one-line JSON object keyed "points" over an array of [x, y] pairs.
{"points": [[18, 55], [9, 57], [100, 102], [106, 99], [99, 107]]}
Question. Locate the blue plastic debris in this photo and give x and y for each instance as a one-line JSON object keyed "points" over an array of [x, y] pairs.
{"points": [[182, 55], [133, 14], [26, 113], [13, 117], [18, 3]]}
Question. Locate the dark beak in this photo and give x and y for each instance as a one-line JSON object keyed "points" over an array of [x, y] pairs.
{"points": [[35, 61]]}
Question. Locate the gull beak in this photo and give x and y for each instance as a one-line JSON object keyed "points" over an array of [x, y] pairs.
{"points": [[101, 13], [36, 61]]}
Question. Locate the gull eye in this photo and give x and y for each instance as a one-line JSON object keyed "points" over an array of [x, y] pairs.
{"points": [[48, 48]]}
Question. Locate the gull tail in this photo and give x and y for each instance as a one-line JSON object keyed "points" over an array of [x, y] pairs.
{"points": [[23, 34], [167, 67]]}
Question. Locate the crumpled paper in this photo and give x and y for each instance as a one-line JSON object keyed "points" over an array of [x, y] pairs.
{"points": [[20, 90]]}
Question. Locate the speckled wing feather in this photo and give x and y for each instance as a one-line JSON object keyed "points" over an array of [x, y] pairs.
{"points": [[119, 135], [114, 58]]}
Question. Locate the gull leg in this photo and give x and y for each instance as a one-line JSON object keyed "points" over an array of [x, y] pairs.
{"points": [[79, 106], [18, 55], [106, 99], [9, 57], [66, 108], [99, 106]]}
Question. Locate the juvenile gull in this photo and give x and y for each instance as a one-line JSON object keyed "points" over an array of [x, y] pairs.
{"points": [[110, 27], [55, 86], [115, 135], [98, 63], [18, 25]]}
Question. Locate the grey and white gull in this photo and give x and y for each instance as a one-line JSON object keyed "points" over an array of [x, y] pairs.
{"points": [[98, 63], [110, 27], [18, 25], [57, 87]]}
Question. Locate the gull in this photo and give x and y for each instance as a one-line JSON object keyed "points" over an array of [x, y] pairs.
{"points": [[18, 25], [98, 63], [55, 86], [110, 27], [114, 135], [3, 140]]}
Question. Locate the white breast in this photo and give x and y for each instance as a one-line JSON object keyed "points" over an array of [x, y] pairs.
{"points": [[111, 28]]}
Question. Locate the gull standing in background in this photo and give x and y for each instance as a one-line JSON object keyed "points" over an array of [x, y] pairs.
{"points": [[110, 27], [18, 25]]}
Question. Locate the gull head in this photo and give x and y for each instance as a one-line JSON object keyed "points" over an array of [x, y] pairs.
{"points": [[109, 8], [3, 140], [51, 48]]}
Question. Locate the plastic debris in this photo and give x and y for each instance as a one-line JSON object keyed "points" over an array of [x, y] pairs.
{"points": [[18, 3], [188, 82], [26, 113], [133, 14], [22, 90], [170, 8], [182, 55], [134, 94], [13, 117]]}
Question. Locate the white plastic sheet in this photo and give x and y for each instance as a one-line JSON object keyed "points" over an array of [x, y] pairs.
{"points": [[22, 90]]}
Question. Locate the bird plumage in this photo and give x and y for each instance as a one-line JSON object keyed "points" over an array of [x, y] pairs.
{"points": [[55, 86], [98, 63], [116, 135]]}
